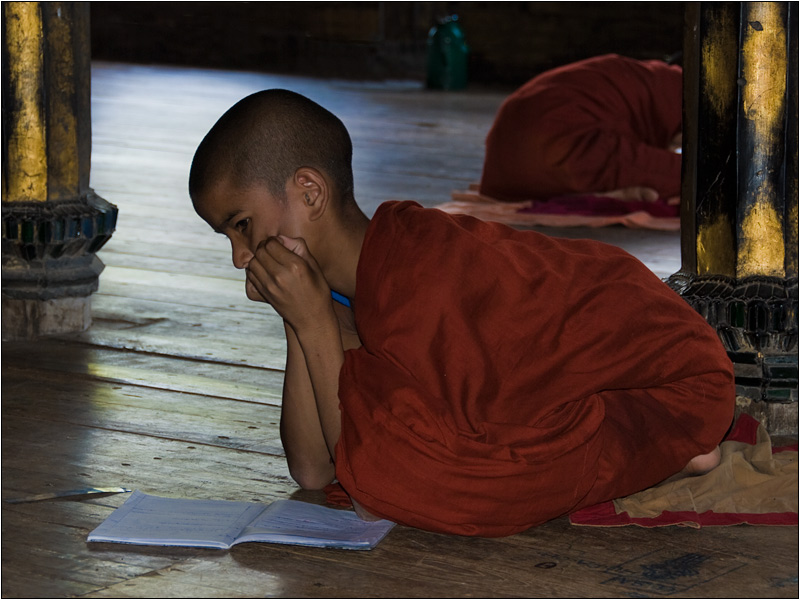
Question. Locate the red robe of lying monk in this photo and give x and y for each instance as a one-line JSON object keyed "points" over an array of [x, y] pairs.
{"points": [[590, 127], [507, 378]]}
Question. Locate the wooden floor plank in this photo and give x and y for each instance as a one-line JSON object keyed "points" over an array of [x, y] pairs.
{"points": [[93, 457], [220, 380], [57, 562], [241, 425], [206, 292], [411, 565], [221, 336]]}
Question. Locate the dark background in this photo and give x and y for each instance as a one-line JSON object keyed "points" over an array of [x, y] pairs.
{"points": [[509, 41]]}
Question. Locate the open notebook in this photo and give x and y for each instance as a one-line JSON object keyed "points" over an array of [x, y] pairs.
{"points": [[155, 521]]}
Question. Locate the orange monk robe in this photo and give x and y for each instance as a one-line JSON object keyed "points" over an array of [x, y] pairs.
{"points": [[589, 127], [507, 378]]}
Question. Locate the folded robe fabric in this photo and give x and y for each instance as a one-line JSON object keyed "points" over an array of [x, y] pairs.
{"points": [[754, 483], [507, 378], [592, 126]]}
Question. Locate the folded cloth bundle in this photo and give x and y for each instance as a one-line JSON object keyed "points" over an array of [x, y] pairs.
{"points": [[754, 483]]}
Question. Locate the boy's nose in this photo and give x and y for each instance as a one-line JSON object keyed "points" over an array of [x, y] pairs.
{"points": [[241, 255]]}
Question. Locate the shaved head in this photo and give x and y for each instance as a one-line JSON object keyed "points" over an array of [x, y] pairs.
{"points": [[264, 138]]}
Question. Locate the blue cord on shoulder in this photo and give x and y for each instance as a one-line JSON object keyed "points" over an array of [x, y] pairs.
{"points": [[340, 299]]}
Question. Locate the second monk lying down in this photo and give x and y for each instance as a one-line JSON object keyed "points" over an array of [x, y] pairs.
{"points": [[607, 125], [482, 380]]}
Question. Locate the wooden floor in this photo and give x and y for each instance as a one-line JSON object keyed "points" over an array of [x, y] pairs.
{"points": [[176, 388]]}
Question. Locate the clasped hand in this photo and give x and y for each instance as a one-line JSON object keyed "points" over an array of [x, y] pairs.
{"points": [[283, 273]]}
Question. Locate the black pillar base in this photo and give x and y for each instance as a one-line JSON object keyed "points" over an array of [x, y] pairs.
{"points": [[50, 268], [756, 320]]}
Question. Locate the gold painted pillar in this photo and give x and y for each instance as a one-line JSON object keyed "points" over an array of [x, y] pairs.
{"points": [[739, 215], [53, 223]]}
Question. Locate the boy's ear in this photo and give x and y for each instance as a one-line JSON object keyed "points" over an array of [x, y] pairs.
{"points": [[312, 190]]}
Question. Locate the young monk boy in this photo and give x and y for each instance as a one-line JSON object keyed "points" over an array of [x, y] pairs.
{"points": [[482, 380]]}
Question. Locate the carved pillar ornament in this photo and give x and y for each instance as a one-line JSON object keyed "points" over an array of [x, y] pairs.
{"points": [[53, 223], [739, 219]]}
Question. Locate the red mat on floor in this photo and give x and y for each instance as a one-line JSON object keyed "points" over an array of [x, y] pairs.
{"points": [[747, 431], [566, 211]]}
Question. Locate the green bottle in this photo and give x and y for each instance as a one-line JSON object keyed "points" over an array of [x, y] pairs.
{"points": [[447, 56]]}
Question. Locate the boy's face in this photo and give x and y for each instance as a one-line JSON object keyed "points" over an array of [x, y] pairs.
{"points": [[247, 217]]}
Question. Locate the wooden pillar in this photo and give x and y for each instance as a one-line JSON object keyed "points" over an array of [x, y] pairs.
{"points": [[739, 214], [53, 223]]}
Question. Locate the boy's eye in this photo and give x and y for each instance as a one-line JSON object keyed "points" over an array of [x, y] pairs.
{"points": [[241, 226]]}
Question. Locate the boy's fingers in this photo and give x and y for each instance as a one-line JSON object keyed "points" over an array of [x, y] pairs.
{"points": [[274, 248], [296, 245], [257, 275], [285, 251], [299, 247], [253, 288], [271, 263], [261, 275]]}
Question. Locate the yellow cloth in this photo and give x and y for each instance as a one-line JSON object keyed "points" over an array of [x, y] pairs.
{"points": [[749, 479]]}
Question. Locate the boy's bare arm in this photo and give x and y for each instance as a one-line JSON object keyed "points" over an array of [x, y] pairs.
{"points": [[307, 454], [285, 274], [324, 354]]}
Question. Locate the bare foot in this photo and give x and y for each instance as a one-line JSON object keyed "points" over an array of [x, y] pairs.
{"points": [[703, 463], [632, 194], [699, 465]]}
